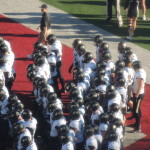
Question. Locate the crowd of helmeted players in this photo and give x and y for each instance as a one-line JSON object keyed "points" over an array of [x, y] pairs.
{"points": [[99, 91]]}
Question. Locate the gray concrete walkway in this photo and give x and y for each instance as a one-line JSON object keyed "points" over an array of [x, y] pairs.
{"points": [[67, 28]]}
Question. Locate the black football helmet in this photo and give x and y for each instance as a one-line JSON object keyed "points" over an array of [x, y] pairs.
{"points": [[18, 127], [104, 118], [112, 127], [26, 114], [98, 39], [4, 48], [127, 60], [39, 61], [128, 51], [110, 88], [88, 56], [80, 77], [72, 105], [93, 96], [57, 114], [51, 107], [38, 45], [117, 122], [101, 64], [44, 51], [88, 131], [12, 99], [81, 49], [120, 64], [137, 65], [121, 47], [69, 86], [74, 93], [18, 106], [94, 106], [31, 75], [120, 82], [2, 95], [104, 47], [95, 128], [111, 94], [76, 42], [51, 39], [64, 138], [114, 107], [26, 141], [52, 97], [14, 116], [30, 67], [1, 83], [79, 100], [112, 136], [74, 114], [106, 56], [63, 129]]}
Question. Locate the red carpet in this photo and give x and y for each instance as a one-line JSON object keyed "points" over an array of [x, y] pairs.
{"points": [[22, 40]]}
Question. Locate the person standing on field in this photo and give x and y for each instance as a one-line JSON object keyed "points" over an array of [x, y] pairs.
{"points": [[45, 27]]}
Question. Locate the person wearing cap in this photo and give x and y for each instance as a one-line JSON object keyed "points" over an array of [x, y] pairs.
{"points": [[45, 25]]}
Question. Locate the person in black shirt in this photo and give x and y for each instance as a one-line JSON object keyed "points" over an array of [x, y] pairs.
{"points": [[116, 4], [132, 8], [45, 26]]}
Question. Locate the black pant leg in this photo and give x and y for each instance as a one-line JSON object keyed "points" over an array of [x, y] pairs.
{"points": [[109, 9]]}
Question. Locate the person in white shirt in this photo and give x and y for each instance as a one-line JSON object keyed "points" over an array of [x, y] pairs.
{"points": [[138, 90], [58, 120], [6, 65], [91, 142], [56, 47], [121, 50], [30, 122], [98, 39], [75, 43], [77, 125], [113, 142], [21, 132]]}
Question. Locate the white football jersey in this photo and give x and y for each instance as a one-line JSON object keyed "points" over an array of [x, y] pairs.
{"points": [[32, 146], [8, 45], [123, 92], [52, 59], [78, 124], [26, 133], [53, 132], [3, 106], [91, 141], [57, 46], [68, 146], [130, 72], [117, 100], [32, 124], [115, 145], [142, 75]]}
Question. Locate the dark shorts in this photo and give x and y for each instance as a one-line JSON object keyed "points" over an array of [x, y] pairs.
{"points": [[133, 12]]}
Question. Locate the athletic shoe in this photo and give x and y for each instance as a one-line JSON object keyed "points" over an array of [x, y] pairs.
{"points": [[108, 20], [144, 17], [129, 37], [120, 23]]}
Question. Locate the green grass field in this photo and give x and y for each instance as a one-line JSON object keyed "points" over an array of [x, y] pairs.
{"points": [[94, 12]]}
